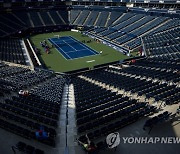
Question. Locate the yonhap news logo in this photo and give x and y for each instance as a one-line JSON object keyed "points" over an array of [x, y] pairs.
{"points": [[113, 140], [151, 140]]}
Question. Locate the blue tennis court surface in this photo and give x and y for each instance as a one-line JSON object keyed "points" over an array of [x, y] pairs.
{"points": [[71, 48]]}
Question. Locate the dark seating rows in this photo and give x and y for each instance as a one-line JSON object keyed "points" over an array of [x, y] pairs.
{"points": [[23, 147], [100, 111], [25, 114], [157, 119], [23, 132], [163, 44], [29, 78], [119, 78], [11, 51], [15, 22]]}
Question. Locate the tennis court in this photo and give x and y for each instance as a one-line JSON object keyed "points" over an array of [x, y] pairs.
{"points": [[71, 48]]}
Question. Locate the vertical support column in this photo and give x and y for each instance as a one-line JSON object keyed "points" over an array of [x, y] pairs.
{"points": [[71, 125], [62, 131]]}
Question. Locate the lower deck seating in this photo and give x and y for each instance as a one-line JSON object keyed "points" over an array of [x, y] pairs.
{"points": [[137, 81], [29, 78], [25, 114], [157, 119], [23, 147], [100, 111]]}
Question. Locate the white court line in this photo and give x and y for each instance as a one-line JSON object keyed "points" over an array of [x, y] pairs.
{"points": [[76, 51], [61, 50], [63, 40], [71, 51], [73, 41], [81, 44], [60, 42], [58, 50], [71, 38], [87, 47], [84, 47], [70, 45]]}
